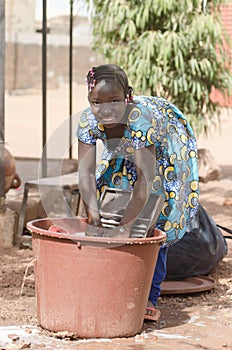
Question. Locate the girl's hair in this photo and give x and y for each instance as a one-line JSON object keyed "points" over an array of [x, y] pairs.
{"points": [[109, 72]]}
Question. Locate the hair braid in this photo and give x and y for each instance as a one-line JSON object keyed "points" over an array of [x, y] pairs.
{"points": [[109, 72]]}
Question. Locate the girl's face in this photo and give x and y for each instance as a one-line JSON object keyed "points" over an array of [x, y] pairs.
{"points": [[107, 101]]}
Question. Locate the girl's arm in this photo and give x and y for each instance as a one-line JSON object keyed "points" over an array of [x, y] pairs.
{"points": [[145, 161], [87, 181]]}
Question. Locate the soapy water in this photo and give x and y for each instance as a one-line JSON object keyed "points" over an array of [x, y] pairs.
{"points": [[109, 231], [93, 231]]}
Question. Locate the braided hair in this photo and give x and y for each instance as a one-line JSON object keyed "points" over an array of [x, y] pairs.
{"points": [[109, 72]]}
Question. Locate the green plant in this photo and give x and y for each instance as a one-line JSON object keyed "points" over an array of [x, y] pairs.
{"points": [[172, 48]]}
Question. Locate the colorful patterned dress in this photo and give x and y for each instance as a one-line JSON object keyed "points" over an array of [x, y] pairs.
{"points": [[152, 120]]}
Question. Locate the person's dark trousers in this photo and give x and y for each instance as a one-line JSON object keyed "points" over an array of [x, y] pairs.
{"points": [[159, 275]]}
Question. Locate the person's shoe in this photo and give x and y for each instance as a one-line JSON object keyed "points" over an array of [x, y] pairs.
{"points": [[151, 313]]}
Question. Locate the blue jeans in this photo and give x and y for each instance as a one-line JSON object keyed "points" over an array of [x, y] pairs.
{"points": [[159, 275]]}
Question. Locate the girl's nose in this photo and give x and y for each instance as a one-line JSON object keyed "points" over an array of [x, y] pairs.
{"points": [[105, 109]]}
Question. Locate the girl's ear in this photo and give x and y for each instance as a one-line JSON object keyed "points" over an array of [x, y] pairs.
{"points": [[130, 94], [127, 99]]}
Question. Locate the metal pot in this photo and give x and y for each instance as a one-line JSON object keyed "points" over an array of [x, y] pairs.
{"points": [[12, 178]]}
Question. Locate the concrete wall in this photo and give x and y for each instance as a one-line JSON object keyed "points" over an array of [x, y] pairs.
{"points": [[20, 16], [24, 62], [24, 48], [226, 10]]}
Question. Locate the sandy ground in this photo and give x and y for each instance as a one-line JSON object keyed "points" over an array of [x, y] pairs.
{"points": [[188, 322]]}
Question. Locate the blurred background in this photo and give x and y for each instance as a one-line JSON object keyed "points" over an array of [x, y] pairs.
{"points": [[23, 79]]}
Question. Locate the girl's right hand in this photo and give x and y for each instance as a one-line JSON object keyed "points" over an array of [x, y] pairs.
{"points": [[117, 232], [94, 231], [114, 232]]}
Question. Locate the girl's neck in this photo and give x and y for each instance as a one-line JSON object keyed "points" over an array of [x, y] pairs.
{"points": [[115, 132]]}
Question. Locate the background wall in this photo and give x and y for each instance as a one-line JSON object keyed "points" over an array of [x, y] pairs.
{"points": [[24, 51]]}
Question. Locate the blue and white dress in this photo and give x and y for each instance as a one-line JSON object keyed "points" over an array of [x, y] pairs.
{"points": [[152, 120]]}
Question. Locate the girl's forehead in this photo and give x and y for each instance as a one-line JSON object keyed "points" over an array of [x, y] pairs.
{"points": [[109, 86]]}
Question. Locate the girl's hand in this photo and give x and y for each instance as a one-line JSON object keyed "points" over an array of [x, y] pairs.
{"points": [[94, 231], [116, 232]]}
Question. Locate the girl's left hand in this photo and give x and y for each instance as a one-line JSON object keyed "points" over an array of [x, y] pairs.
{"points": [[116, 232]]}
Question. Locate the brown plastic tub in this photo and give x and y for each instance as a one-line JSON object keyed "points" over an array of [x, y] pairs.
{"points": [[90, 286]]}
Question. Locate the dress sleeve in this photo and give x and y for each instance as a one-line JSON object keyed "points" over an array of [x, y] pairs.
{"points": [[85, 128], [144, 127]]}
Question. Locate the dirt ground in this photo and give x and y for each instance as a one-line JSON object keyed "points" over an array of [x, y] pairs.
{"points": [[188, 322]]}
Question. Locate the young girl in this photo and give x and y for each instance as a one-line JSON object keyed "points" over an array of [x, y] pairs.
{"points": [[149, 147]]}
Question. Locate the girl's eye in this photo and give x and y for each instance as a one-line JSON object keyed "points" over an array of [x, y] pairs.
{"points": [[95, 103]]}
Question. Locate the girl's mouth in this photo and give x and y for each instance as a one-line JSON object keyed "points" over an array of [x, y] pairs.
{"points": [[107, 121]]}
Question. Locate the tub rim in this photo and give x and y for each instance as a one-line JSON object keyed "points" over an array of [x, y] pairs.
{"points": [[159, 236]]}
